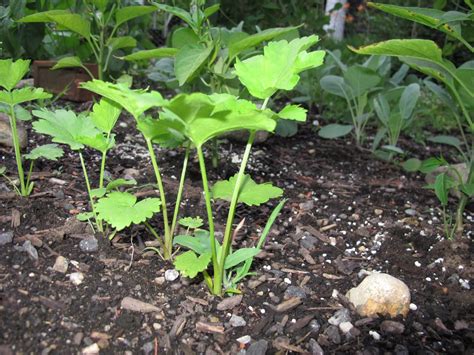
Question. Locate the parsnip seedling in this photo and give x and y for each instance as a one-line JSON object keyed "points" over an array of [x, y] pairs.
{"points": [[76, 131], [11, 72]]}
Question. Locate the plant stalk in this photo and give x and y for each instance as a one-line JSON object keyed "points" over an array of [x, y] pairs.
{"points": [[88, 185], [217, 275], [180, 191], [168, 239], [16, 146]]}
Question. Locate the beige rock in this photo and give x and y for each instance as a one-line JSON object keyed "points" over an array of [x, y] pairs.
{"points": [[6, 132], [460, 168], [242, 136], [380, 294], [61, 264]]}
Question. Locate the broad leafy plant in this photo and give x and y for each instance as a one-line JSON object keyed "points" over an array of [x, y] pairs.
{"points": [[84, 130], [278, 68], [458, 91], [357, 85], [11, 72], [395, 111], [99, 25]]}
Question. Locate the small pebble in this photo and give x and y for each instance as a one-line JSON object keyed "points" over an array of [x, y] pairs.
{"points": [[171, 275], [244, 339], [89, 245], [413, 307], [374, 334], [76, 278], [237, 321]]}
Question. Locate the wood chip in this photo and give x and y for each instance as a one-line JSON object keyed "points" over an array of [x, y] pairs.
{"points": [[229, 303], [326, 228], [288, 304], [293, 271], [332, 277], [178, 327], [135, 305], [198, 300], [16, 218], [209, 328]]}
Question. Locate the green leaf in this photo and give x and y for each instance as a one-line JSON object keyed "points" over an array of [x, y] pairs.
{"points": [[392, 148], [293, 112], [336, 85], [251, 193], [191, 222], [183, 36], [134, 101], [432, 164], [204, 117], [168, 131], [278, 67], [441, 188], [115, 184], [182, 14], [382, 108], [209, 11], [408, 100], [11, 72], [64, 20], [68, 62], [117, 43], [121, 209], [99, 192], [67, 128], [85, 216], [468, 189], [128, 13], [422, 55], [151, 54], [199, 243], [412, 165], [240, 256], [237, 47], [3, 169], [105, 114], [25, 94], [22, 114], [361, 79], [47, 151], [432, 18], [190, 265], [335, 130], [189, 60], [448, 140]]}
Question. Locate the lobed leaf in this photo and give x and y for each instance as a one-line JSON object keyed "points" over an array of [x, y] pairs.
{"points": [[67, 128], [134, 101], [199, 243], [121, 209], [189, 264], [293, 112], [191, 222], [105, 114], [25, 94], [251, 193], [11, 72], [47, 151], [278, 67], [334, 130]]}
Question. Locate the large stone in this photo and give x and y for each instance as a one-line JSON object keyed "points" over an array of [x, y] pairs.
{"points": [[6, 132], [380, 294], [242, 136]]}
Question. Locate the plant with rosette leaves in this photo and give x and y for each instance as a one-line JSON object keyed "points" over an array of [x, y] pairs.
{"points": [[11, 72]]}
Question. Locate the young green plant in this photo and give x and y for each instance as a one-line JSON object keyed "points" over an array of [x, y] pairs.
{"points": [[98, 25], [263, 75], [426, 57], [79, 131], [11, 72]]}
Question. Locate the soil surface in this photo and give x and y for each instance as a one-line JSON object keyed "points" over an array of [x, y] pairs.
{"points": [[348, 214]]}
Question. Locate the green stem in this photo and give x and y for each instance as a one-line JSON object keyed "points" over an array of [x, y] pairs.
{"points": [[102, 165], [88, 185], [210, 218], [227, 241], [16, 146], [28, 178], [168, 242], [180, 191]]}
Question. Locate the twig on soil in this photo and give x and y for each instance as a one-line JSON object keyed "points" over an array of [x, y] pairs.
{"points": [[127, 268]]}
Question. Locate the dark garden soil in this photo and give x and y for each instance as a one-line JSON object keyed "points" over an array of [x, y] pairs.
{"points": [[347, 214]]}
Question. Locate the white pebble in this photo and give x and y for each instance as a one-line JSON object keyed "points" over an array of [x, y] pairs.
{"points": [[417, 264], [413, 307], [287, 280], [76, 278], [374, 334]]}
